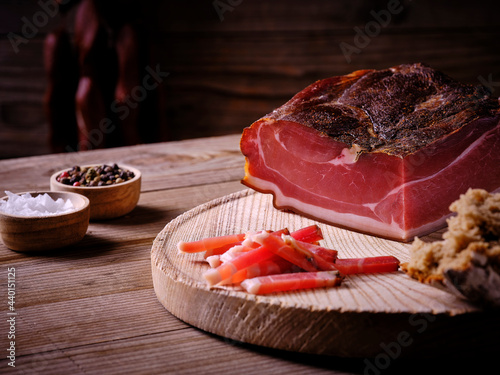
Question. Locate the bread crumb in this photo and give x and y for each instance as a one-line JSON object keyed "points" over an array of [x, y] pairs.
{"points": [[473, 233]]}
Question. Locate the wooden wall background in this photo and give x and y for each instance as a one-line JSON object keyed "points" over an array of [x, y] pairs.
{"points": [[229, 67]]}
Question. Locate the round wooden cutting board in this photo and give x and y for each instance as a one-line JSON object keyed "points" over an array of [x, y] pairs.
{"points": [[367, 316]]}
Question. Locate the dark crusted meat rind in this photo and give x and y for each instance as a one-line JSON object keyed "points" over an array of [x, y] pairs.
{"points": [[395, 111]]}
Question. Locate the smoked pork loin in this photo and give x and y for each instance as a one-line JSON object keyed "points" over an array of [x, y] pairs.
{"points": [[384, 152]]}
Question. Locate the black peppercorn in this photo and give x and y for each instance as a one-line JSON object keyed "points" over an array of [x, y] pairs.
{"points": [[100, 175]]}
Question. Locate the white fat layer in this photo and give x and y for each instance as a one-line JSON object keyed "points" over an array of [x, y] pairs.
{"points": [[329, 276], [289, 240], [356, 222], [250, 238], [232, 253], [212, 276], [347, 156], [260, 237], [214, 261], [433, 102], [251, 285]]}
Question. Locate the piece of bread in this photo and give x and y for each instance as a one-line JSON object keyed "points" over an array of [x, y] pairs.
{"points": [[467, 259]]}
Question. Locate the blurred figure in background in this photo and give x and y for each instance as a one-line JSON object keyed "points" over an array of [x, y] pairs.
{"points": [[100, 91]]}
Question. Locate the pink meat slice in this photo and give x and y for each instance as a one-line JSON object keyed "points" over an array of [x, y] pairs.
{"points": [[360, 152]]}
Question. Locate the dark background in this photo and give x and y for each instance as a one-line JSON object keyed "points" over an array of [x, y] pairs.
{"points": [[232, 61]]}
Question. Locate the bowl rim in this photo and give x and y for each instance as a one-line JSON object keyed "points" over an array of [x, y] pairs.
{"points": [[86, 205], [137, 175]]}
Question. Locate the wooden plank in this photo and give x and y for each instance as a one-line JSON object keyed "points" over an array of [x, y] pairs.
{"points": [[298, 57], [88, 320], [279, 15], [286, 15], [163, 165], [173, 353]]}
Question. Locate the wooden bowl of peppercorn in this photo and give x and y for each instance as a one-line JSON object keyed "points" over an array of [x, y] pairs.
{"points": [[113, 190]]}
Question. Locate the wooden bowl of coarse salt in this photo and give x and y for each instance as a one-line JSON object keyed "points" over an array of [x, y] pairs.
{"points": [[108, 200], [38, 221]]}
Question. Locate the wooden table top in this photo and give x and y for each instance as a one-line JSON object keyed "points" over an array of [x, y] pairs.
{"points": [[91, 308]]}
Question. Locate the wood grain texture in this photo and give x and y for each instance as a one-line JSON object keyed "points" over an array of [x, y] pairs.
{"points": [[92, 308], [350, 320]]}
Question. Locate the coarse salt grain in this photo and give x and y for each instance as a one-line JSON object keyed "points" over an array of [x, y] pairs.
{"points": [[41, 205]]}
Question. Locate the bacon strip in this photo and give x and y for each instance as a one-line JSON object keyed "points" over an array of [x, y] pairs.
{"points": [[291, 281], [209, 243], [367, 265]]}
